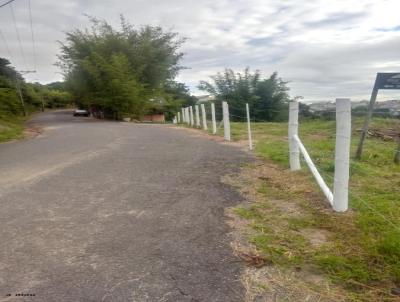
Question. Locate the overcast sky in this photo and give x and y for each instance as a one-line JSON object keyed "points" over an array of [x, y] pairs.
{"points": [[326, 49]]}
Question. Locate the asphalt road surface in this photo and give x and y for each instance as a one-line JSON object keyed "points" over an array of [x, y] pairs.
{"points": [[105, 211]]}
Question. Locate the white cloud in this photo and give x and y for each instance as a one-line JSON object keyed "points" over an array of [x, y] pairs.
{"points": [[326, 49]]}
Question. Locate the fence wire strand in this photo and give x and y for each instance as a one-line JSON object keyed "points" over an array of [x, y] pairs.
{"points": [[326, 175], [362, 201]]}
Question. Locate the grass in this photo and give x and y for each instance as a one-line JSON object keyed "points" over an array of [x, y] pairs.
{"points": [[11, 127], [363, 251]]}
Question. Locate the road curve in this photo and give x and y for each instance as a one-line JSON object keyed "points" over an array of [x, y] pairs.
{"points": [[105, 211]]}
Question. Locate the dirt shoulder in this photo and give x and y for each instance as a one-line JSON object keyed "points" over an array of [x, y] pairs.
{"points": [[295, 246], [272, 237]]}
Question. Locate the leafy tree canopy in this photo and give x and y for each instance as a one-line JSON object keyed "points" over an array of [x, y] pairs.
{"points": [[121, 71], [35, 95], [267, 98]]}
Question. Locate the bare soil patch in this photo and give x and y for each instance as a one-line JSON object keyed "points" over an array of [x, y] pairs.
{"points": [[32, 131]]}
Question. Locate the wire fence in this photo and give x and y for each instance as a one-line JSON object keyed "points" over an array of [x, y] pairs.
{"points": [[323, 159], [356, 198]]}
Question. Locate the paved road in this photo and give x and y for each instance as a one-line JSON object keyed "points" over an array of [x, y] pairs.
{"points": [[105, 211]]}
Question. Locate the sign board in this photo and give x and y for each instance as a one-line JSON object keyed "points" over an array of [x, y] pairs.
{"points": [[387, 80], [384, 80]]}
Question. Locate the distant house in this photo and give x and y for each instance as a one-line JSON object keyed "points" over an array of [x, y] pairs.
{"points": [[321, 106], [385, 108], [359, 104], [393, 105], [154, 118], [155, 113], [201, 99]]}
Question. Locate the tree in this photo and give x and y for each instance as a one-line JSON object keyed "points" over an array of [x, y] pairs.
{"points": [[268, 98], [60, 86], [305, 111], [119, 71], [273, 99], [7, 71], [180, 91], [10, 103], [35, 95]]}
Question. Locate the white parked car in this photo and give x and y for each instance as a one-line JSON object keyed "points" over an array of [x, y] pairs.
{"points": [[80, 112]]}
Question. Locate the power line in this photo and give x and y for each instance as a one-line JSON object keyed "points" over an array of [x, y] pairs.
{"points": [[6, 45], [32, 35], [17, 86], [8, 2], [18, 36]]}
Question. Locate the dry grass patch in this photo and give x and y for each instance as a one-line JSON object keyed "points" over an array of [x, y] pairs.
{"points": [[290, 224], [293, 243]]}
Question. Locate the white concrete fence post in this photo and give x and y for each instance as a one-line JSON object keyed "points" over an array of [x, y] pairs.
{"points": [[191, 116], [183, 115], [227, 125], [214, 122], [196, 109], [294, 152], [342, 155], [248, 127], [179, 117], [204, 117], [187, 116]]}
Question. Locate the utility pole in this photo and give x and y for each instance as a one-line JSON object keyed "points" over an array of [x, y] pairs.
{"points": [[18, 87], [41, 98], [41, 95]]}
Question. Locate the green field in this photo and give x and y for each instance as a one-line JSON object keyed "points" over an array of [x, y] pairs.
{"points": [[363, 253], [11, 128]]}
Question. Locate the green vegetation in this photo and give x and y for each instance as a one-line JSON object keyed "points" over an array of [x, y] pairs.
{"points": [[124, 73], [10, 128], [34, 95], [267, 98], [362, 253]]}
